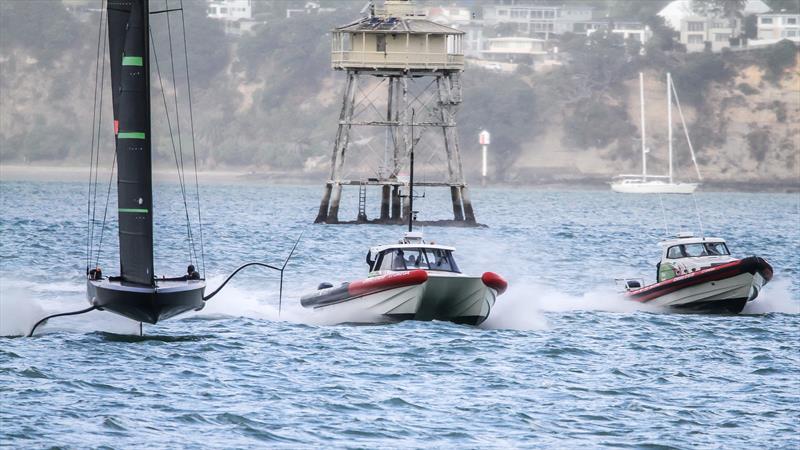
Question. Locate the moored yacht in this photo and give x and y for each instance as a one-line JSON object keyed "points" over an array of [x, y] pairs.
{"points": [[645, 183], [699, 274]]}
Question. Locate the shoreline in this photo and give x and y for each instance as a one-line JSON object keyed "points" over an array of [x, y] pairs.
{"points": [[18, 172]]}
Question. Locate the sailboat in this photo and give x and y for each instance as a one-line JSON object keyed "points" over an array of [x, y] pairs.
{"points": [[645, 183], [136, 292]]}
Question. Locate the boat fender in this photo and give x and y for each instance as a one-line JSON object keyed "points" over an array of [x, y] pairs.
{"points": [[324, 285], [388, 281], [494, 281]]}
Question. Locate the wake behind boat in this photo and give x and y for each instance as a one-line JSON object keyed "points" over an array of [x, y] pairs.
{"points": [[700, 275], [410, 280]]}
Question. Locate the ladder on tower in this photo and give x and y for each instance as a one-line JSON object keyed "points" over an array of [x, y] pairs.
{"points": [[455, 88], [362, 202]]}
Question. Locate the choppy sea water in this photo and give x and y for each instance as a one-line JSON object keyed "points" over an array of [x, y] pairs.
{"points": [[561, 362]]}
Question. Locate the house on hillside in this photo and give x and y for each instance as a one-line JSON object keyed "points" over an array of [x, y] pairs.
{"points": [[230, 10], [515, 50], [451, 16], [773, 27], [309, 8], [705, 29], [236, 14], [537, 17], [627, 29]]}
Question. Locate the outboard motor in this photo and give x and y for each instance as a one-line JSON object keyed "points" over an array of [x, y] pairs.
{"points": [[632, 284], [324, 285]]}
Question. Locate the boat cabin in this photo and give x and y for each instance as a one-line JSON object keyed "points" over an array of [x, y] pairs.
{"points": [[411, 253], [688, 253]]}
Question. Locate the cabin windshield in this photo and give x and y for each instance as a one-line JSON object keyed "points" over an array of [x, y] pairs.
{"points": [[417, 258], [697, 250]]}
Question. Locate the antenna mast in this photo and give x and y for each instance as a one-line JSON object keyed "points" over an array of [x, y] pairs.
{"points": [[644, 144], [411, 179], [669, 122]]}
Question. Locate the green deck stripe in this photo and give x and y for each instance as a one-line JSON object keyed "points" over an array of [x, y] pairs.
{"points": [[131, 135], [133, 210], [132, 61]]}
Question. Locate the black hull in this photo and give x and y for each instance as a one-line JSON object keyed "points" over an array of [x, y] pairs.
{"points": [[146, 303]]}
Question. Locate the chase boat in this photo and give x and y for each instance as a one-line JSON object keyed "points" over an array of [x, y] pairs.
{"points": [[700, 275], [410, 280]]}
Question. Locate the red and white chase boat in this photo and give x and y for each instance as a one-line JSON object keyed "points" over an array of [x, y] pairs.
{"points": [[699, 275], [410, 280]]}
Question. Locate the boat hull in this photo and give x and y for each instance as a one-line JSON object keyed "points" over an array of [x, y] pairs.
{"points": [[424, 296], [654, 188], [144, 303], [458, 299], [721, 289]]}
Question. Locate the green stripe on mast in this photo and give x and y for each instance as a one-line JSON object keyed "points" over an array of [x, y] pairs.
{"points": [[134, 210], [131, 135], [132, 61]]}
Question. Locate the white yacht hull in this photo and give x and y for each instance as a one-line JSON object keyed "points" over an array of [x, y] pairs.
{"points": [[653, 187]]}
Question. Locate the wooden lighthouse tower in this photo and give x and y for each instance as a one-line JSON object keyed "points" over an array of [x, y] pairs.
{"points": [[400, 67]]}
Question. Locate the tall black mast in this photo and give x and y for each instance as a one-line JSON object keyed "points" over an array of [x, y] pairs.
{"points": [[129, 48]]}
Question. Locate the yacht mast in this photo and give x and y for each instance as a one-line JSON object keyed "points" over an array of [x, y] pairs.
{"points": [[669, 122], [644, 144], [686, 132]]}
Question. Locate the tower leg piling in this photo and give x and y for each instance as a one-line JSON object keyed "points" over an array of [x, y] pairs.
{"points": [[469, 214], [386, 192], [455, 196], [333, 215], [322, 215]]}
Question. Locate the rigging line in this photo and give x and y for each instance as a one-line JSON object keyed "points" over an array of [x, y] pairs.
{"points": [[664, 214], [172, 140], [99, 131], [686, 132], [178, 123], [89, 222], [105, 210], [699, 219], [194, 151]]}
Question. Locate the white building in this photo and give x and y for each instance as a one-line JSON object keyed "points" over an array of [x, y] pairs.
{"points": [[627, 30], [678, 10], [309, 8], [700, 30], [537, 17], [778, 26], [451, 16], [515, 50], [230, 10]]}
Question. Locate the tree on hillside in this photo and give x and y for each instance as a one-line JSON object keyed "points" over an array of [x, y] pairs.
{"points": [[635, 9], [724, 8], [790, 6], [600, 61]]}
